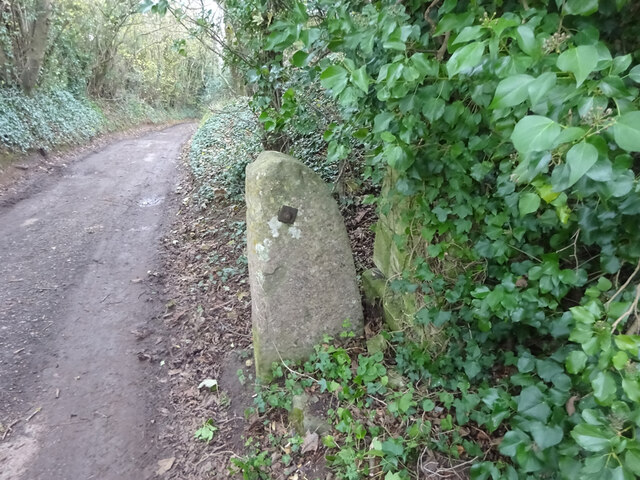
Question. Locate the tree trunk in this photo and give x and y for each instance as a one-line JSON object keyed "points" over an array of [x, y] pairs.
{"points": [[99, 75], [7, 66], [36, 46], [237, 80]]}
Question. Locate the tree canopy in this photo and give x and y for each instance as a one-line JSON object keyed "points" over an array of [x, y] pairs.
{"points": [[103, 48]]}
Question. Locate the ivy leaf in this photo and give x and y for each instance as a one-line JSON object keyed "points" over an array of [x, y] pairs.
{"points": [[453, 22], [160, 7], [540, 86], [619, 360], [613, 87], [546, 436], [484, 470], [634, 74], [300, 59], [425, 65], [580, 159], [570, 135], [397, 158], [511, 441], [632, 461], [582, 315], [397, 39], [388, 137], [576, 361], [145, 6], [334, 78], [594, 417], [620, 64], [469, 34], [629, 343], [580, 7], [281, 37], [580, 61], [592, 438], [526, 39], [531, 404], [535, 133], [528, 203], [548, 370], [631, 388], [626, 131], [361, 78], [604, 388], [511, 91], [466, 58], [433, 109], [381, 121]]}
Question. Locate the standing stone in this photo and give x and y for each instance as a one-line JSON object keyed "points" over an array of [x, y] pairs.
{"points": [[301, 271]]}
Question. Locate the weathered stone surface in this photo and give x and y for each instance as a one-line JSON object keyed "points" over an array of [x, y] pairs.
{"points": [[374, 284], [302, 275], [398, 310], [302, 418], [387, 256]]}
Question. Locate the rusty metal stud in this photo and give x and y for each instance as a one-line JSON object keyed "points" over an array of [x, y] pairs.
{"points": [[287, 214]]}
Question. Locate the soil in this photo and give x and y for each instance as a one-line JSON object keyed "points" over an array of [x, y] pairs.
{"points": [[209, 320], [82, 342]]}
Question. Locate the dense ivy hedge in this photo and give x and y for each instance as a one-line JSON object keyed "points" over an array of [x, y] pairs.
{"points": [[227, 140], [45, 120], [50, 119]]}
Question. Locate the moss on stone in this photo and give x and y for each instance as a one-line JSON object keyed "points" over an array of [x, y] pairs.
{"points": [[373, 285]]}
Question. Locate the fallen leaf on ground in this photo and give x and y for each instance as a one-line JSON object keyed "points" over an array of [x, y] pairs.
{"points": [[165, 465], [310, 443], [209, 383]]}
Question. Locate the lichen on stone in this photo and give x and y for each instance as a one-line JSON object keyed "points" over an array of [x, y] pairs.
{"points": [[274, 225], [295, 232], [262, 249]]}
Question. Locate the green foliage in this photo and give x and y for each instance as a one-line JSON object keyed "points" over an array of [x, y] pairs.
{"points": [[206, 432], [377, 426], [51, 119], [221, 149], [512, 128], [131, 111], [252, 466], [45, 120], [108, 49]]}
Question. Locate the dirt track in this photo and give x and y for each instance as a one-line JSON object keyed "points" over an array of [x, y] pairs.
{"points": [[79, 315]]}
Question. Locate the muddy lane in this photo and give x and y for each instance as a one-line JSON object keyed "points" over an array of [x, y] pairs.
{"points": [[77, 259]]}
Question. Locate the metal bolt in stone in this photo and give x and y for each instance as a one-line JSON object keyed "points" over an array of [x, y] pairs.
{"points": [[287, 214]]}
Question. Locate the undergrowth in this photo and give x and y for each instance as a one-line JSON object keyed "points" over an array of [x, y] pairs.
{"points": [[375, 421], [227, 140], [51, 119]]}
